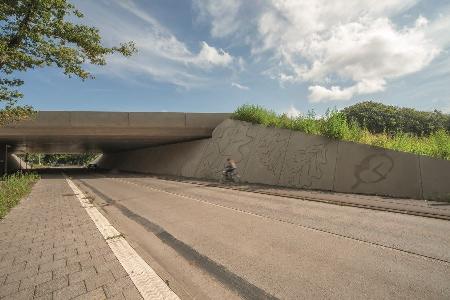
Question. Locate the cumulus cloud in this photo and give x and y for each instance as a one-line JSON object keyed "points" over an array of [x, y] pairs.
{"points": [[210, 56], [342, 48], [240, 86]]}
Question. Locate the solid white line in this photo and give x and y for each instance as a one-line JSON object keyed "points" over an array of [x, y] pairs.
{"points": [[149, 284]]}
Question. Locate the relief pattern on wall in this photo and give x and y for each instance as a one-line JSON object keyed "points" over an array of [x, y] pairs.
{"points": [[271, 150], [307, 165], [227, 142], [373, 169]]}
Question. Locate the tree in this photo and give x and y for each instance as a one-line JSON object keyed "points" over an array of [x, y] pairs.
{"points": [[39, 33], [379, 118]]}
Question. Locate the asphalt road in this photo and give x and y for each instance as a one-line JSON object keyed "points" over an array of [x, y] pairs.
{"points": [[208, 242]]}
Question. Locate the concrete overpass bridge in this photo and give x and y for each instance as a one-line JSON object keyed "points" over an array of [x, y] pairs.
{"points": [[78, 132]]}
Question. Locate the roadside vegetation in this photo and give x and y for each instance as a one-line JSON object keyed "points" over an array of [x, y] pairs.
{"points": [[13, 188], [401, 129]]}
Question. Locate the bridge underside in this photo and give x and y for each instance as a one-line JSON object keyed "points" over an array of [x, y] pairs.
{"points": [[78, 132]]}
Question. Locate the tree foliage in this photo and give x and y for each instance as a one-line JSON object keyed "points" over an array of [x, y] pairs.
{"points": [[39, 33], [380, 118], [59, 159]]}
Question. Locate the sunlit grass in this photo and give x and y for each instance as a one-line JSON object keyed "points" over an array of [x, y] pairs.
{"points": [[13, 188]]}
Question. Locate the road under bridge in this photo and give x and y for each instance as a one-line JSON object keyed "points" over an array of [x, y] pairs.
{"points": [[79, 132]]}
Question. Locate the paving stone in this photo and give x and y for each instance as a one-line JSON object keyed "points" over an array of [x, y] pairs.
{"points": [[101, 251], [17, 276], [31, 282], [116, 287], [13, 268], [132, 293], [117, 297], [82, 275], [71, 291], [22, 295], [66, 270], [66, 254], [44, 297], [26, 258], [54, 265], [100, 280], [51, 286], [109, 257], [78, 258], [40, 261], [92, 262], [114, 266], [97, 294]]}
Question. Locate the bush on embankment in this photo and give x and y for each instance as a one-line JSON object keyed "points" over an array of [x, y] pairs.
{"points": [[13, 188], [334, 124], [381, 118]]}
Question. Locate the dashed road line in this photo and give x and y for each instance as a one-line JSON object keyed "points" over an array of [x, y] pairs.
{"points": [[148, 283]]}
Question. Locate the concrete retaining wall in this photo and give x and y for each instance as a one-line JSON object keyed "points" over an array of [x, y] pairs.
{"points": [[287, 158]]}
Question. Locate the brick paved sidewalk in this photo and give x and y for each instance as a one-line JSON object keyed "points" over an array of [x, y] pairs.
{"points": [[51, 249]]}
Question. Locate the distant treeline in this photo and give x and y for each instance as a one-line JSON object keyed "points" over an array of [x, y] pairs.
{"points": [[381, 118], [58, 159]]}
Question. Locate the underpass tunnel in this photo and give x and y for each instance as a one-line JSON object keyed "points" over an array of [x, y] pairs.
{"points": [[76, 132]]}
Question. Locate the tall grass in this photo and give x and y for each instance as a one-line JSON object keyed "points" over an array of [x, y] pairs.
{"points": [[13, 188], [335, 125]]}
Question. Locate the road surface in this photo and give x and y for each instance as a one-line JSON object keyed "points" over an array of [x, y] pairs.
{"points": [[208, 242]]}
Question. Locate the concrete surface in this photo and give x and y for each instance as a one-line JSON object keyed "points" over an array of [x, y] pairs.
{"points": [[75, 132], [310, 162], [51, 249], [267, 156], [435, 176], [372, 170], [231, 139], [285, 158], [224, 244]]}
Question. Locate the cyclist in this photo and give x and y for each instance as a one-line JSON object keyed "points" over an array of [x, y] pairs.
{"points": [[230, 167]]}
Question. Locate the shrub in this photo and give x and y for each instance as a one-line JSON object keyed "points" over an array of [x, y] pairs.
{"points": [[380, 118], [334, 125], [255, 114]]}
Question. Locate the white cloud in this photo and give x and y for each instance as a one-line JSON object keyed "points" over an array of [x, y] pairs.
{"points": [[224, 15], [341, 48], [321, 94], [210, 56], [293, 112], [161, 55], [240, 86]]}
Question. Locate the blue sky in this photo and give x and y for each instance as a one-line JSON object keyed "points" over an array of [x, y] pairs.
{"points": [[288, 55]]}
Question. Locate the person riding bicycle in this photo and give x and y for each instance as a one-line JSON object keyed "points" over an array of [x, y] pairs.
{"points": [[230, 167]]}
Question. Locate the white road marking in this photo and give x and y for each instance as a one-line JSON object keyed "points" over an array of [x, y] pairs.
{"points": [[149, 284]]}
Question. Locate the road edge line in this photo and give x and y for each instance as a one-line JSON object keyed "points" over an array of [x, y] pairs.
{"points": [[148, 283]]}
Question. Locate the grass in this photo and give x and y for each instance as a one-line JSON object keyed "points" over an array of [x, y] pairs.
{"points": [[335, 125], [13, 188]]}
